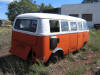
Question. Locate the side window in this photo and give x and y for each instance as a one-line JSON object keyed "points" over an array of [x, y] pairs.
{"points": [[85, 27], [26, 25], [64, 26], [73, 26], [79, 25], [54, 26]]}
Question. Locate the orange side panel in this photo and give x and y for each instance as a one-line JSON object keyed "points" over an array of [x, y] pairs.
{"points": [[73, 42], [86, 36], [42, 48], [46, 48], [64, 42], [80, 40]]}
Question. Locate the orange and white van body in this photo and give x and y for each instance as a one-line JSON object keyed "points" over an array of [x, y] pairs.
{"points": [[45, 40]]}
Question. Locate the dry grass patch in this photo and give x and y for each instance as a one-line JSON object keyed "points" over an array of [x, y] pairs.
{"points": [[5, 38]]}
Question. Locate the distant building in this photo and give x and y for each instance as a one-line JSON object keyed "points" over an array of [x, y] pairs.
{"points": [[53, 10], [90, 1], [87, 11]]}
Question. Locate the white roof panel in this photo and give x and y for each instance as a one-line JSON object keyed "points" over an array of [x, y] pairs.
{"points": [[48, 16]]}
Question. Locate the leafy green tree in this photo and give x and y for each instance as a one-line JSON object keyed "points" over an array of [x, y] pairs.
{"points": [[44, 7], [12, 10], [49, 6], [23, 6]]}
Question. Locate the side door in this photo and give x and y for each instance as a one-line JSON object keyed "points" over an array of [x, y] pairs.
{"points": [[65, 35], [80, 35], [73, 36]]}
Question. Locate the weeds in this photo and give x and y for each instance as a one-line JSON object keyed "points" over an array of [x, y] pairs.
{"points": [[94, 41], [82, 55], [95, 59], [21, 67], [12, 65], [5, 38], [70, 57], [1, 73], [39, 69], [78, 70]]}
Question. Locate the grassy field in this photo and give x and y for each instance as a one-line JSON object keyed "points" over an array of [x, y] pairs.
{"points": [[94, 40], [85, 62], [5, 38]]}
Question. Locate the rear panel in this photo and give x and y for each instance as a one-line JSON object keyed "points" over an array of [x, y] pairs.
{"points": [[22, 44]]}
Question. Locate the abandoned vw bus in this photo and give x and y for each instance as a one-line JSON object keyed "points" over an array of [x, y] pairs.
{"points": [[41, 35]]}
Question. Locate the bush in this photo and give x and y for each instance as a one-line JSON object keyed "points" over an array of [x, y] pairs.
{"points": [[7, 23]]}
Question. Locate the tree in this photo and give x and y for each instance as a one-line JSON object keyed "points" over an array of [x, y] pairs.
{"points": [[7, 22], [45, 7], [42, 6], [23, 6], [0, 23], [90, 1], [49, 6]]}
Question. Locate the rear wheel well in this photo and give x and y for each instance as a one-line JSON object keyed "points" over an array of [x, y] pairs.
{"points": [[84, 44], [31, 54], [61, 53], [29, 57], [56, 56]]}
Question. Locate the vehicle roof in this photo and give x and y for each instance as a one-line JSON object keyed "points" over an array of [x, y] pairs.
{"points": [[48, 16]]}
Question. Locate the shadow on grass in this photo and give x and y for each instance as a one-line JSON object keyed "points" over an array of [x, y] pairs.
{"points": [[14, 65]]}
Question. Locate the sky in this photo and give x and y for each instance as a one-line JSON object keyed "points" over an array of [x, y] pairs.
{"points": [[55, 3]]}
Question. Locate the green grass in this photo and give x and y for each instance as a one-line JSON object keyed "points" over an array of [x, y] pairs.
{"points": [[95, 59], [5, 38], [70, 57], [80, 69], [39, 69], [94, 40]]}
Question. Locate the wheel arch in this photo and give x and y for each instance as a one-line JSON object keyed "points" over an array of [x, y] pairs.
{"points": [[57, 49]]}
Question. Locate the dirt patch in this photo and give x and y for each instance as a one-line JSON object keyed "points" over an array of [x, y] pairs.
{"points": [[4, 53]]}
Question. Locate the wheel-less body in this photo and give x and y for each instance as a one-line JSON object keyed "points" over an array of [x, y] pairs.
{"points": [[41, 35]]}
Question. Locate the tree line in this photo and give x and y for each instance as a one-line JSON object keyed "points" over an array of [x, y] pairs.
{"points": [[24, 6]]}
